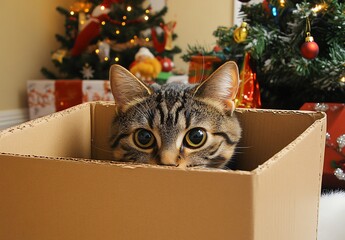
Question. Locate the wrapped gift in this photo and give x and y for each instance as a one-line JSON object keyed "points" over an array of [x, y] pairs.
{"points": [[334, 164], [68, 93], [49, 96], [41, 97], [96, 90], [200, 67]]}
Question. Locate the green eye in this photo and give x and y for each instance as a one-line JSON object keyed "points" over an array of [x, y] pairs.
{"points": [[195, 138], [144, 138]]}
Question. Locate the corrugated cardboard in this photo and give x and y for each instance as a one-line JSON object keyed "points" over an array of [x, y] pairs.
{"points": [[53, 187]]}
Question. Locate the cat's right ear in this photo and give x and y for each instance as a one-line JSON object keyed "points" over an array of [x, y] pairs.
{"points": [[125, 86], [221, 85]]}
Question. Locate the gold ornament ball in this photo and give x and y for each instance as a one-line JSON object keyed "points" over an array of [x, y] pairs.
{"points": [[240, 34]]}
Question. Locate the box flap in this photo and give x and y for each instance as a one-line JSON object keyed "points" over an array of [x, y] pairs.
{"points": [[266, 132], [63, 134], [287, 187], [102, 116]]}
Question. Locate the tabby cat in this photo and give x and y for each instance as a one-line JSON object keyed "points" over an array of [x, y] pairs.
{"points": [[191, 125], [175, 124]]}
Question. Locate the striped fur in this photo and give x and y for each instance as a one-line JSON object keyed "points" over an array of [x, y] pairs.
{"points": [[169, 112]]}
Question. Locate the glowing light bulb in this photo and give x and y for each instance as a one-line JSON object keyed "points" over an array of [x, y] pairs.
{"points": [[132, 41], [117, 31], [86, 10], [124, 17], [117, 59], [106, 59], [147, 11], [97, 51], [317, 8], [102, 8], [123, 24], [146, 17], [147, 39], [103, 22], [342, 79], [71, 12], [129, 8], [274, 11], [282, 3]]}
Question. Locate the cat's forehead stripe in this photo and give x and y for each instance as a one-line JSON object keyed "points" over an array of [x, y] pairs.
{"points": [[170, 103]]}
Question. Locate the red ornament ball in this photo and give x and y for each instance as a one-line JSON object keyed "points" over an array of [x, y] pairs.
{"points": [[167, 64], [309, 50]]}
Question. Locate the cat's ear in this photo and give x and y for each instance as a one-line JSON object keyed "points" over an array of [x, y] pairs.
{"points": [[221, 85], [125, 86]]}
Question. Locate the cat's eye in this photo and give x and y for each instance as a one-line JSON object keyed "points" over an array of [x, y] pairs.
{"points": [[195, 138], [144, 138]]}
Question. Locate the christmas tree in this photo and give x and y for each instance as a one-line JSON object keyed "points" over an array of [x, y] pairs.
{"points": [[99, 33], [296, 48]]}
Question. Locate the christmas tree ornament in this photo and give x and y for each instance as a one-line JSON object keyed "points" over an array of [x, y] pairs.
{"points": [[92, 27], [240, 33], [217, 49], [59, 54], [309, 48], [146, 66], [167, 64], [248, 95], [168, 32], [166, 43], [103, 50], [87, 71]]}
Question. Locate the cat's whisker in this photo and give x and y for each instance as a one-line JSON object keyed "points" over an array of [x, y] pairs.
{"points": [[241, 147]]}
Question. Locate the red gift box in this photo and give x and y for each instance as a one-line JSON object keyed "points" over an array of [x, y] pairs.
{"points": [[334, 163], [68, 93], [200, 67]]}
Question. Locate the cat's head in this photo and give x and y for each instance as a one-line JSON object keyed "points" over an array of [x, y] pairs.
{"points": [[175, 124]]}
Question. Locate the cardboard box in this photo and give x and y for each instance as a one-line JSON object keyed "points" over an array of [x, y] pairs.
{"points": [[52, 186]]}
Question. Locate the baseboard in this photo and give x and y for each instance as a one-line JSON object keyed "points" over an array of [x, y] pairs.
{"points": [[9, 118]]}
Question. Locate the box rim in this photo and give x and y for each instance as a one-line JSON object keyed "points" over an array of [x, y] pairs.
{"points": [[91, 105]]}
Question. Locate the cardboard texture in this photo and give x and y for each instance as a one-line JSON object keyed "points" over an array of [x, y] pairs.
{"points": [[56, 182]]}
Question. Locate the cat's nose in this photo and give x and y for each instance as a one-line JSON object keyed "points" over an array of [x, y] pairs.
{"points": [[168, 157]]}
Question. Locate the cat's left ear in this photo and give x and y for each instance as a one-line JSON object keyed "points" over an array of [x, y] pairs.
{"points": [[125, 86], [222, 85]]}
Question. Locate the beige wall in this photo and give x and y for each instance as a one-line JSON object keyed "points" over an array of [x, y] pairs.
{"points": [[28, 33], [196, 21]]}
